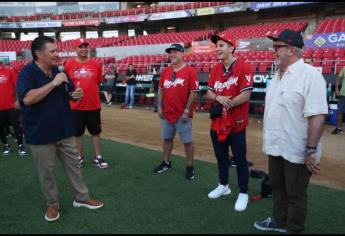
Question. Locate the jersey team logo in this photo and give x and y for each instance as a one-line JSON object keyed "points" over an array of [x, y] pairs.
{"points": [[248, 78], [218, 86], [83, 73], [178, 81]]}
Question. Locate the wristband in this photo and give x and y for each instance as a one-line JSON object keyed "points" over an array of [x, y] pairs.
{"points": [[310, 147]]}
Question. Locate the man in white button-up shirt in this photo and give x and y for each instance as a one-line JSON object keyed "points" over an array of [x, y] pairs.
{"points": [[295, 110]]}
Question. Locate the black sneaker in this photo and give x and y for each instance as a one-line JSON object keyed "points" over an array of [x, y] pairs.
{"points": [[21, 150], [337, 131], [100, 162], [162, 167], [6, 150], [190, 173], [81, 161]]}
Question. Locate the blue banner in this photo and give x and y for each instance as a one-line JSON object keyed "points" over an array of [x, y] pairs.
{"points": [[330, 40], [264, 5]]}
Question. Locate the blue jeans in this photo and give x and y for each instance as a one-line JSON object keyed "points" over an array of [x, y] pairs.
{"points": [[237, 142], [130, 93]]}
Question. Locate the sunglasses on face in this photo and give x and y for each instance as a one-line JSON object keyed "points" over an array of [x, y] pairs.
{"points": [[277, 46]]}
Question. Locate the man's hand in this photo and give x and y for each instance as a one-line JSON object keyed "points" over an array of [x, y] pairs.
{"points": [[337, 92], [310, 162], [225, 101], [184, 117], [16, 105], [59, 79], [77, 94]]}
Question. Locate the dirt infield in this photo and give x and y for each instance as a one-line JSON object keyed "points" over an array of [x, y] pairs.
{"points": [[141, 127]]}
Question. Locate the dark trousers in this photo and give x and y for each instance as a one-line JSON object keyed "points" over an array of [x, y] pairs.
{"points": [[237, 142], [289, 183], [11, 117]]}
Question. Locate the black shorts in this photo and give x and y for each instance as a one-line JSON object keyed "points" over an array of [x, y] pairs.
{"points": [[90, 119]]}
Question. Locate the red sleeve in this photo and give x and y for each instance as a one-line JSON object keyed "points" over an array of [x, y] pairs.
{"points": [[246, 78], [14, 77], [193, 80]]}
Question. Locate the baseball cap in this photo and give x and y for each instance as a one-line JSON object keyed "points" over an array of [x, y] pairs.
{"points": [[224, 37], [79, 42], [288, 36], [175, 46]]}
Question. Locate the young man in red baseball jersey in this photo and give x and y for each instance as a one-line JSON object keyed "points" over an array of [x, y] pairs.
{"points": [[178, 88], [230, 85], [9, 110], [87, 73]]}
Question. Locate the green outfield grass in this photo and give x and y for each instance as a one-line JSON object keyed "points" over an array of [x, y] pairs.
{"points": [[139, 201]]}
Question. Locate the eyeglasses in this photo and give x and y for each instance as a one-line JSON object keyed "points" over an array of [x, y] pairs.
{"points": [[173, 76], [277, 46]]}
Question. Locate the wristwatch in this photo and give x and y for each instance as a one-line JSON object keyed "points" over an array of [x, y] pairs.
{"points": [[186, 111], [310, 151]]}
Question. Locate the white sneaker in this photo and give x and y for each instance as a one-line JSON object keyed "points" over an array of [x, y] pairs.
{"points": [[219, 191], [241, 202]]}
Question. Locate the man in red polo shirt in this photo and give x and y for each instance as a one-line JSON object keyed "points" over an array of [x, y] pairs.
{"points": [[87, 73], [230, 85], [178, 88], [8, 113]]}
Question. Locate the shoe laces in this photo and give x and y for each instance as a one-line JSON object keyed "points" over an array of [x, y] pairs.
{"points": [[268, 221]]}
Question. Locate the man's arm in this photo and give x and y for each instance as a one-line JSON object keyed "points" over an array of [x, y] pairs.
{"points": [[159, 103], [337, 83], [226, 101], [315, 129], [192, 96], [36, 95]]}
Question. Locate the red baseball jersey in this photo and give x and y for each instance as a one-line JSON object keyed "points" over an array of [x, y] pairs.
{"points": [[7, 89], [176, 91], [89, 75], [238, 79]]}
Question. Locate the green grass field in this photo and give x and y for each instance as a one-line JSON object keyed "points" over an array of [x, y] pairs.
{"points": [[139, 201]]}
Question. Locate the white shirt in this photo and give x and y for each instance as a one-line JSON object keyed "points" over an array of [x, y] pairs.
{"points": [[289, 102]]}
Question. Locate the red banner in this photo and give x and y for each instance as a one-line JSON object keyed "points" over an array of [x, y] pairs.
{"points": [[203, 46], [95, 22]]}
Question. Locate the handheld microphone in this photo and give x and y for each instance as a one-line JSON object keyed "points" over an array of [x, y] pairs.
{"points": [[62, 70]]}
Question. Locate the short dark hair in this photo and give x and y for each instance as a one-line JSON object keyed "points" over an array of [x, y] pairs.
{"points": [[38, 44]]}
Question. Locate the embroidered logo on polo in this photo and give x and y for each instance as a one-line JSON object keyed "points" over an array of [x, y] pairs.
{"points": [[83, 73], [219, 86], [169, 83]]}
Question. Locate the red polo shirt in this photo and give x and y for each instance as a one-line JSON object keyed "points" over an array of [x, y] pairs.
{"points": [[176, 92]]}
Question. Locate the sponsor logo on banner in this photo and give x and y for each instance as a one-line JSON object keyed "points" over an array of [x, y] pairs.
{"points": [[330, 40], [233, 8], [203, 46], [261, 79], [263, 5], [95, 22], [8, 25], [67, 54], [41, 24], [144, 78]]}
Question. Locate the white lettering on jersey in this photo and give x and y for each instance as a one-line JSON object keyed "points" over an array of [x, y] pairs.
{"points": [[168, 83], [3, 79], [218, 86]]}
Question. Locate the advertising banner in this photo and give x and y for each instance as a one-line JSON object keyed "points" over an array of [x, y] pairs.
{"points": [[41, 24], [8, 56], [95, 22], [205, 46], [67, 54], [121, 19], [171, 15], [205, 11], [8, 25], [232, 8], [330, 40], [265, 5]]}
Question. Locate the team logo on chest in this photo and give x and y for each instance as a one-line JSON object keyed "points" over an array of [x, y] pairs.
{"points": [[219, 86], [3, 79], [83, 73], [178, 81]]}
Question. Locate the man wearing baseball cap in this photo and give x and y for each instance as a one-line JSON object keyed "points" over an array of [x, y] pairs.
{"points": [[87, 73], [295, 109], [229, 86], [178, 88]]}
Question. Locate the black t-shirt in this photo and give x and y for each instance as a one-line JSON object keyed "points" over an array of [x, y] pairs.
{"points": [[131, 81]]}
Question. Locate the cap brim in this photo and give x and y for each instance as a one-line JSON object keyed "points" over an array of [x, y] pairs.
{"points": [[87, 44], [272, 38], [168, 50]]}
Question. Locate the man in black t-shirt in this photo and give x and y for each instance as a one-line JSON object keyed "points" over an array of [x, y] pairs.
{"points": [[131, 82], [154, 87]]}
